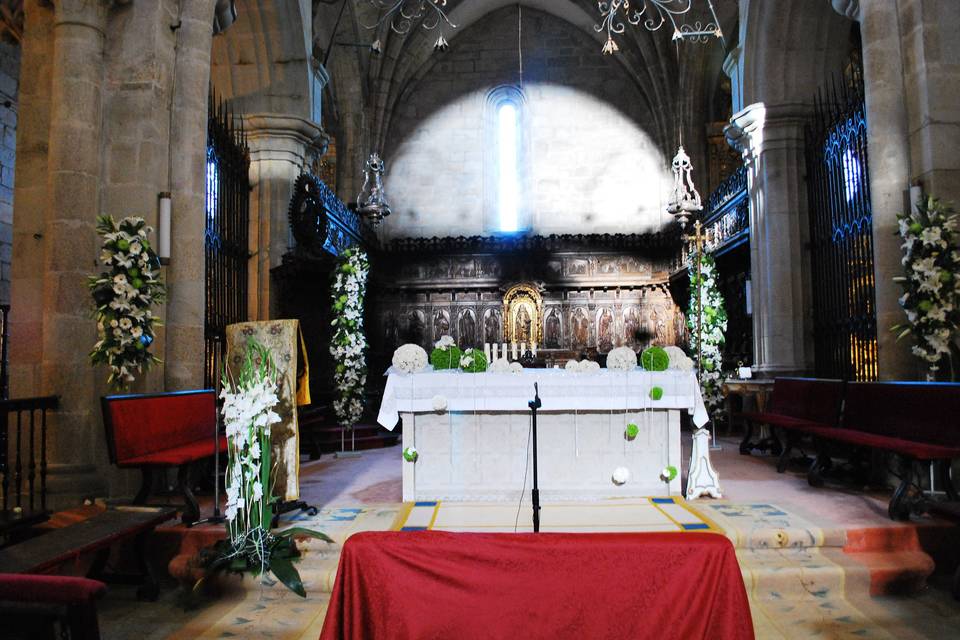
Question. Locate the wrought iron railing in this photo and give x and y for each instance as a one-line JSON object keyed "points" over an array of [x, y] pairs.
{"points": [[841, 234], [726, 218], [227, 228], [23, 459]]}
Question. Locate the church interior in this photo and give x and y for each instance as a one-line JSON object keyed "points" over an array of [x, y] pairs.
{"points": [[479, 319]]}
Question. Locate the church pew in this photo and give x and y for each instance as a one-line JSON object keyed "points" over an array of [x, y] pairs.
{"points": [[915, 420], [163, 430], [798, 406]]}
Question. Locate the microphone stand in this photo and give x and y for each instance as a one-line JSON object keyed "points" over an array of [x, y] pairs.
{"points": [[534, 405]]}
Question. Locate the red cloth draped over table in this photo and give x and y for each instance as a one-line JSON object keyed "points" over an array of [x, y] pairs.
{"points": [[434, 584]]}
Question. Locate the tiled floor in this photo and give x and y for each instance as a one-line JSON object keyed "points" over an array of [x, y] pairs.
{"points": [[794, 543]]}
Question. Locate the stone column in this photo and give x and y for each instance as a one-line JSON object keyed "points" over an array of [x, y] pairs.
{"points": [[888, 148], [70, 245], [772, 144], [278, 145], [188, 146]]}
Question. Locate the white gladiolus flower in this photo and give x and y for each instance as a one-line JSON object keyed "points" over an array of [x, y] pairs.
{"points": [[621, 475], [445, 342]]}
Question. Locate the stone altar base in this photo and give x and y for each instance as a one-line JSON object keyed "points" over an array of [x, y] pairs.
{"points": [[487, 456]]}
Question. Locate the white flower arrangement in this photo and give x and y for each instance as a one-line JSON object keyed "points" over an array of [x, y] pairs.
{"points": [[713, 329], [410, 358], [124, 294], [622, 359], [500, 365], [439, 403], [249, 398], [248, 413], [584, 366], [349, 344], [621, 475], [445, 342], [931, 283], [678, 359]]}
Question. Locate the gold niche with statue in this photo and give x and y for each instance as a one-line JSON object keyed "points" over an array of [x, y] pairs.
{"points": [[523, 315]]}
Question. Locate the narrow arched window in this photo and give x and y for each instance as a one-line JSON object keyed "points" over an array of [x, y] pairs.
{"points": [[508, 154]]}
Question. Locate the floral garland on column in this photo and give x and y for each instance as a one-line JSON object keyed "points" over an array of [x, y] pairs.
{"points": [[124, 294], [249, 399], [349, 344], [714, 327], [931, 284]]}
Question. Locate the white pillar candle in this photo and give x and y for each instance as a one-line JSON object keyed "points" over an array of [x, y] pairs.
{"points": [[486, 350], [533, 347], [513, 349], [523, 349], [503, 351], [493, 352]]}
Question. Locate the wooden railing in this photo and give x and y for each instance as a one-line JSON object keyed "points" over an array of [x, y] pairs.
{"points": [[23, 460]]}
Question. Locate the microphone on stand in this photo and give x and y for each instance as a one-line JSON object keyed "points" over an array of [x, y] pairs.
{"points": [[534, 405]]}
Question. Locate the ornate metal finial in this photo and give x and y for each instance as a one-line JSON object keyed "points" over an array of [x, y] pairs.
{"points": [[685, 199], [372, 201]]}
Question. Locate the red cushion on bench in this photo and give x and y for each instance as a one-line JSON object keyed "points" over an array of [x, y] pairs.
{"points": [[141, 425], [917, 450], [176, 455], [64, 590], [786, 422]]}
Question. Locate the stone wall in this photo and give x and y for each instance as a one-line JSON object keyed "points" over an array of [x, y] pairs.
{"points": [[9, 89], [590, 163]]}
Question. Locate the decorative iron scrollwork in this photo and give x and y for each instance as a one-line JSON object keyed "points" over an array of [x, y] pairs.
{"points": [[308, 216]]}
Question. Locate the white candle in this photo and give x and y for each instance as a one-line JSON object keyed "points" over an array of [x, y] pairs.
{"points": [[503, 351], [486, 350], [494, 351], [513, 349], [533, 347], [523, 349]]}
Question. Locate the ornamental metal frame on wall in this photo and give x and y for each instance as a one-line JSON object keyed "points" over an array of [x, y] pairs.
{"points": [[841, 234], [226, 239]]}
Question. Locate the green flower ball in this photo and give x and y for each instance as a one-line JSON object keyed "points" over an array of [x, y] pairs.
{"points": [[410, 454], [916, 228], [479, 364], [925, 306], [632, 431], [446, 358], [656, 393], [654, 359], [137, 283], [123, 245]]}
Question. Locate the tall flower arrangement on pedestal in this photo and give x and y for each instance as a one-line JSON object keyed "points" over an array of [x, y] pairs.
{"points": [[349, 344], [704, 288], [124, 294], [249, 399], [931, 283]]}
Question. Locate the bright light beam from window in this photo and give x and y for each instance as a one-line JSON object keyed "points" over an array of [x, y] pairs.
{"points": [[508, 188]]}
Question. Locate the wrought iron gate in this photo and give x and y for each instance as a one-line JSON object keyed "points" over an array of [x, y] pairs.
{"points": [[841, 230], [227, 233]]}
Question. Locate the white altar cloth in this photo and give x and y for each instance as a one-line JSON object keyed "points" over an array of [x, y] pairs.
{"points": [[478, 448], [603, 390]]}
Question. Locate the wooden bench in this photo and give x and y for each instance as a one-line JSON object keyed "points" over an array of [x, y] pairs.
{"points": [[49, 550], [797, 406], [34, 606], [915, 420], [163, 430]]}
